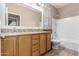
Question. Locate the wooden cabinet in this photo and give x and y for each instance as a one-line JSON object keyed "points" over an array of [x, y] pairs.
{"points": [[48, 41], [42, 43], [8, 46], [35, 44], [24, 45]]}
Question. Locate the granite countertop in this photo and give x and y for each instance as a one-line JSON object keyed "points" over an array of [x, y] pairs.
{"points": [[16, 31], [22, 33]]}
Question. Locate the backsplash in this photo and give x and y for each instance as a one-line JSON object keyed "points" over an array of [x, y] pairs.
{"points": [[18, 30]]}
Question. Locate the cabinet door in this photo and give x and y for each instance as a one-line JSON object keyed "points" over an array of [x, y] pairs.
{"points": [[42, 43], [48, 41], [25, 45], [8, 46]]}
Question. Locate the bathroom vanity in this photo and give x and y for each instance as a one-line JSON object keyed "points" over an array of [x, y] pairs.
{"points": [[26, 44]]}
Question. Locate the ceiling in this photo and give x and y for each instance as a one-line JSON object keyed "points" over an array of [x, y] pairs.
{"points": [[59, 5]]}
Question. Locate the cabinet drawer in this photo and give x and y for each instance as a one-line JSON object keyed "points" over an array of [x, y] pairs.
{"points": [[36, 53], [35, 47], [35, 36], [35, 42]]}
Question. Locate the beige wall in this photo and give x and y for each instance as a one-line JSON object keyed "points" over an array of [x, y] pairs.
{"points": [[69, 10], [29, 18]]}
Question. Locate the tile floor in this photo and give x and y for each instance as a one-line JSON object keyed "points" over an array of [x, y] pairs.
{"points": [[62, 52]]}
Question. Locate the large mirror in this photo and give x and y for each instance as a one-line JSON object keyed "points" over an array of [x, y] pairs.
{"points": [[27, 15]]}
